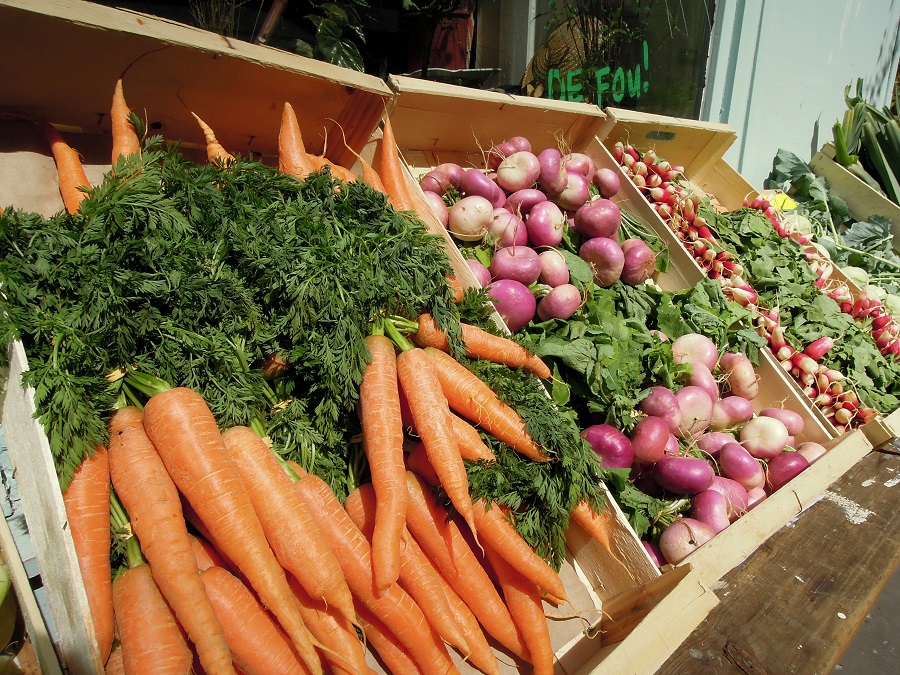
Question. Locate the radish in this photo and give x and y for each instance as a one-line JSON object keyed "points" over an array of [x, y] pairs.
{"points": [[546, 224], [598, 218], [764, 437], [471, 217], [683, 474], [611, 445], [649, 438], [682, 538], [514, 302], [739, 465], [521, 202], [742, 378], [653, 551], [696, 411], [711, 507], [554, 271], [694, 348], [640, 262], [560, 303], [500, 151], [606, 259], [578, 161], [482, 274], [518, 171], [783, 468], [520, 263], [661, 402], [607, 181], [755, 496]]}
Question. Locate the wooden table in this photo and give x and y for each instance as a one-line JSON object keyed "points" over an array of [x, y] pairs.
{"points": [[795, 605]]}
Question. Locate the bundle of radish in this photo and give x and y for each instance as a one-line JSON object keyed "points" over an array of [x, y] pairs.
{"points": [[525, 218]]}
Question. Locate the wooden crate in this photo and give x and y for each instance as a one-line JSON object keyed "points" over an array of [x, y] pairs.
{"points": [[68, 55], [862, 200], [697, 146]]}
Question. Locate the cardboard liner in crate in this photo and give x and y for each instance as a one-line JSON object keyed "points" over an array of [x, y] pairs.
{"points": [[697, 146]]}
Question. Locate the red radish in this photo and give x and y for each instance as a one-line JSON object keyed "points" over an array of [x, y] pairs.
{"points": [[649, 438], [696, 411], [711, 507], [611, 445], [606, 259], [607, 181], [784, 467], [818, 348], [661, 402], [554, 271], [520, 263], [737, 463], [682, 538], [764, 437], [683, 474], [695, 348], [514, 302], [560, 303]]}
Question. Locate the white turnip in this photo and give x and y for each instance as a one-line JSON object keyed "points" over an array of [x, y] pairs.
{"points": [[482, 274], [521, 263], [576, 192], [436, 202], [792, 421], [702, 377], [518, 171], [578, 161], [711, 507], [729, 412], [598, 218], [764, 437], [742, 377], [507, 229], [812, 451], [470, 218], [735, 496], [607, 181]]}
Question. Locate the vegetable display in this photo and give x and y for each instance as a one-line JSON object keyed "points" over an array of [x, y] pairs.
{"points": [[236, 323]]}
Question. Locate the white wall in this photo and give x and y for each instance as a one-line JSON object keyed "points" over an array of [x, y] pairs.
{"points": [[778, 69]]}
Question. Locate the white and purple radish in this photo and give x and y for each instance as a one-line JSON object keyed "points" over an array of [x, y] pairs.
{"points": [[470, 218], [764, 437], [640, 261], [649, 438], [682, 538], [793, 421], [435, 181], [611, 445], [737, 463], [522, 201], [783, 468], [606, 259], [438, 206], [683, 474], [735, 496], [742, 378], [607, 181], [454, 172], [729, 412], [580, 163], [812, 451], [576, 192], [476, 182], [711, 507], [546, 224], [552, 177], [514, 302], [507, 229], [661, 402], [712, 442], [521, 263], [696, 411], [694, 348], [702, 377], [560, 303], [597, 218], [554, 270], [481, 273], [518, 171]]}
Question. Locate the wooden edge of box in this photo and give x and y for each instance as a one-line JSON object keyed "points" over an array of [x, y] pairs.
{"points": [[35, 626], [730, 547], [45, 515], [654, 620], [693, 144]]}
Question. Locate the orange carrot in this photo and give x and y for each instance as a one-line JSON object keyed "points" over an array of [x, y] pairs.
{"points": [[214, 150], [392, 171], [152, 641], [496, 530], [296, 539], [481, 345], [470, 444], [205, 554], [389, 649], [444, 544], [456, 288], [292, 156], [416, 579], [525, 606], [184, 432], [417, 462], [382, 428], [87, 510], [343, 650], [151, 500], [115, 664], [69, 169], [395, 608], [595, 524], [258, 644], [431, 415], [475, 401], [124, 137]]}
